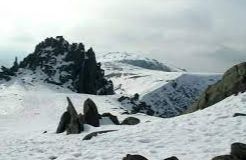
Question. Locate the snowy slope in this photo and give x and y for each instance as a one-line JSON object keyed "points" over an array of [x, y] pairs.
{"points": [[174, 97], [135, 60], [168, 93], [200, 135]]}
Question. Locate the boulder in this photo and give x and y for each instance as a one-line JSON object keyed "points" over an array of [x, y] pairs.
{"points": [[70, 121], [91, 115], [94, 134], [238, 150], [172, 158], [130, 121], [134, 157], [233, 82], [225, 157], [113, 118]]}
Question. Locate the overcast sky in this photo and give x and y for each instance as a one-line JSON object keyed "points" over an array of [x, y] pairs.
{"points": [[199, 35]]}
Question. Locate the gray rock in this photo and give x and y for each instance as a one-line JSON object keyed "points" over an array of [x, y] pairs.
{"points": [[94, 134], [225, 157], [134, 157], [130, 121], [74, 126], [64, 122], [70, 121], [238, 150], [91, 115]]}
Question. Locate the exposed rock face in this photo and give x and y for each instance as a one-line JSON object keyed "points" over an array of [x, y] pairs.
{"points": [[233, 82], [134, 157], [131, 121], [94, 134], [91, 115], [70, 121], [66, 65]]}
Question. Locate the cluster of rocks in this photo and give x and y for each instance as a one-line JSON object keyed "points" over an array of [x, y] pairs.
{"points": [[73, 123], [238, 152], [64, 64], [233, 82], [133, 105], [7, 73]]}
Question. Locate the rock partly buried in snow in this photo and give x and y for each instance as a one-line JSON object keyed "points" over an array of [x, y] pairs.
{"points": [[94, 134], [239, 150], [113, 118], [134, 157], [135, 105], [70, 121], [239, 114], [64, 64], [172, 158], [233, 82], [225, 157], [91, 115], [130, 121]]}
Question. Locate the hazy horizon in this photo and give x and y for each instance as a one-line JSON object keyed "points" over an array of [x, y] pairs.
{"points": [[195, 35]]}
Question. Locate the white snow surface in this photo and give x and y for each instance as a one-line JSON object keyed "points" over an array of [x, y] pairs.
{"points": [[26, 112]]}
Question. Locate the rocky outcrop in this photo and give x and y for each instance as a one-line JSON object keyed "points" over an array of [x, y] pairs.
{"points": [[134, 105], [91, 115], [94, 134], [233, 82], [70, 121], [130, 121], [134, 157], [64, 64]]}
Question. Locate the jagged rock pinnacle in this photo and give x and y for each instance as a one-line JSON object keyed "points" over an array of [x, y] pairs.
{"points": [[65, 64]]}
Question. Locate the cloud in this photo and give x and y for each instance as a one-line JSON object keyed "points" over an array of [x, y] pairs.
{"points": [[186, 33]]}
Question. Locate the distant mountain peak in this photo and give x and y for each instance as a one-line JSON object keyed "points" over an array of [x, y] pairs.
{"points": [[137, 60]]}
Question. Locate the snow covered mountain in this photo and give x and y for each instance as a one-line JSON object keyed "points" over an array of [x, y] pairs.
{"points": [[167, 92], [26, 112], [111, 59], [33, 97]]}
